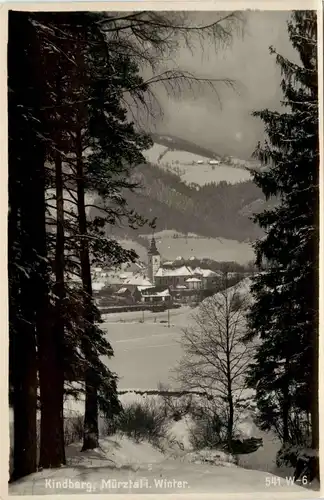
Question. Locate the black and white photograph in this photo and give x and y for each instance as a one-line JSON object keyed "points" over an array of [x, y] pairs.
{"points": [[163, 251]]}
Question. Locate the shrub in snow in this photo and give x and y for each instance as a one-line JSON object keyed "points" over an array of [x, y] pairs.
{"points": [[143, 421], [213, 457], [73, 429], [208, 431], [246, 446], [305, 462], [179, 434], [287, 456], [176, 407]]}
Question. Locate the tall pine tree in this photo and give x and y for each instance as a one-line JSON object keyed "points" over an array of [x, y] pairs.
{"points": [[285, 312]]}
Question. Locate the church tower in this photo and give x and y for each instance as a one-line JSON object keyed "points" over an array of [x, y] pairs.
{"points": [[154, 261]]}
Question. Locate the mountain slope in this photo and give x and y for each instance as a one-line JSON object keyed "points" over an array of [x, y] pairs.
{"points": [[176, 143], [195, 164], [222, 210], [210, 210]]}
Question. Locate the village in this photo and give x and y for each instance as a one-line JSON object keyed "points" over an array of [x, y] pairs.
{"points": [[157, 285]]}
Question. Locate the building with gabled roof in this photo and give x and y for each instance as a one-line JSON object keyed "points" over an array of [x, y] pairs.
{"points": [[157, 294]]}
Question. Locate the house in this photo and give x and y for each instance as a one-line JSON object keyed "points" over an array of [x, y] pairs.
{"points": [[129, 295], [115, 279], [156, 294], [208, 278], [173, 277]]}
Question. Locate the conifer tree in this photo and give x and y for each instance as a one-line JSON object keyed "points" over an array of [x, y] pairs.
{"points": [[98, 155], [68, 112], [22, 340], [285, 312], [31, 335]]}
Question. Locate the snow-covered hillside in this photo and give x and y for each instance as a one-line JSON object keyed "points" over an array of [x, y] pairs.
{"points": [[197, 169], [122, 466], [172, 244]]}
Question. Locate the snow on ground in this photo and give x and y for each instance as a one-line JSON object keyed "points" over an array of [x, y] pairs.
{"points": [[122, 466], [152, 155], [145, 353], [205, 174], [195, 168], [219, 249], [121, 459]]}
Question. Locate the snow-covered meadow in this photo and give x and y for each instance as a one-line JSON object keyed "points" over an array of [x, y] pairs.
{"points": [[218, 249], [195, 169]]}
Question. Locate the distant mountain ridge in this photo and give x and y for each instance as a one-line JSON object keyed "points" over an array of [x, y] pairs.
{"points": [[213, 210], [174, 142]]}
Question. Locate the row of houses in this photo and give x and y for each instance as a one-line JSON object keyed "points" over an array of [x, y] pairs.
{"points": [[186, 277], [157, 282]]}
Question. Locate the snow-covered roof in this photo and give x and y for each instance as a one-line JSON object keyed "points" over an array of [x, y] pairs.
{"points": [[138, 280], [164, 293], [180, 271], [193, 280], [122, 290], [127, 278], [144, 287], [206, 273]]}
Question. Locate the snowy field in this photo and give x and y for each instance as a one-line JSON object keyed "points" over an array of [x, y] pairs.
{"points": [[145, 353], [193, 170], [218, 249]]}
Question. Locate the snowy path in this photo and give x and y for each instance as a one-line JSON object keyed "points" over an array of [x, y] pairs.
{"points": [[121, 466]]}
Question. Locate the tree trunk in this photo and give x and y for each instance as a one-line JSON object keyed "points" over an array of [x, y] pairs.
{"points": [[51, 345], [230, 422], [91, 430], [285, 406], [59, 290], [314, 394], [22, 367], [285, 419], [22, 322], [24, 381]]}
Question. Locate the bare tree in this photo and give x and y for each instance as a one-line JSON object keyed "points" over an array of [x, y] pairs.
{"points": [[215, 358]]}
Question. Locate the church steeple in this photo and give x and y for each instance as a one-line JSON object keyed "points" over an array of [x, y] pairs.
{"points": [[154, 260], [153, 249]]}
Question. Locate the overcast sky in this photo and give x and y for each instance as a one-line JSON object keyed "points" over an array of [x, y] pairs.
{"points": [[229, 128]]}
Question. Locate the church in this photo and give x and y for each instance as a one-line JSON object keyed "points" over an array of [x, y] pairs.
{"points": [[177, 277]]}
